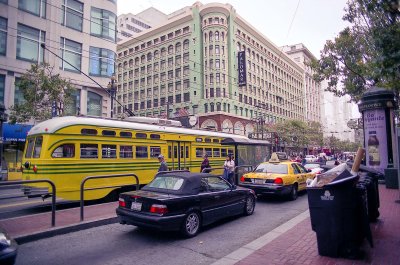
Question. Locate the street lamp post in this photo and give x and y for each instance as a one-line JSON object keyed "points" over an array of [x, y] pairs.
{"points": [[112, 89]]}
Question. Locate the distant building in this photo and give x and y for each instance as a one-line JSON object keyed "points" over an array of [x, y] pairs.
{"points": [[191, 61], [312, 89], [336, 113], [130, 25], [83, 33]]}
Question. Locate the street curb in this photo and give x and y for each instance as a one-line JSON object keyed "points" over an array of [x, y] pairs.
{"points": [[23, 239], [260, 242]]}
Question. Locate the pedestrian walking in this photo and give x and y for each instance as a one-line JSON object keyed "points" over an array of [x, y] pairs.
{"points": [[205, 164], [163, 164], [229, 167]]}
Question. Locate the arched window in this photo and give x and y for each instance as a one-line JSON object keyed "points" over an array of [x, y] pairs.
{"points": [[238, 47], [210, 35], [223, 36], [136, 61], [205, 37], [216, 35], [170, 49], [163, 52], [125, 65], [120, 67], [178, 47], [130, 63], [142, 59], [186, 44], [156, 55], [149, 56]]}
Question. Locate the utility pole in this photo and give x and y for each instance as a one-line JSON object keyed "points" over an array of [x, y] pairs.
{"points": [[112, 89]]}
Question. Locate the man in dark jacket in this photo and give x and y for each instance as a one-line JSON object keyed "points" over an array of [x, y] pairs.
{"points": [[205, 164], [163, 164]]}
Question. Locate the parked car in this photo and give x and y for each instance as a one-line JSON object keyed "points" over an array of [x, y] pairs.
{"points": [[8, 249], [311, 158], [277, 177], [314, 168], [184, 201]]}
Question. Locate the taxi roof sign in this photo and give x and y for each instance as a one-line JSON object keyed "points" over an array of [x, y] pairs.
{"points": [[274, 158]]}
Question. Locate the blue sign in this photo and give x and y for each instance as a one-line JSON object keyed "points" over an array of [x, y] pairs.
{"points": [[242, 74], [15, 132]]}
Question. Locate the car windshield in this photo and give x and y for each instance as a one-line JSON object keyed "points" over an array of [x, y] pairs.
{"points": [[311, 166], [166, 182], [272, 168]]}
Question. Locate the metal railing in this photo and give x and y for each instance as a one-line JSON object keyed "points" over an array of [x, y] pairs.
{"points": [[53, 197], [208, 170], [171, 171], [236, 170], [103, 187]]}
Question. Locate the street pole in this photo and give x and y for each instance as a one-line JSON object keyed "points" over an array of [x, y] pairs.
{"points": [[167, 110], [112, 91]]}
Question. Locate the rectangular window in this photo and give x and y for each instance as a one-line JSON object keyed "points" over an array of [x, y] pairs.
{"points": [[108, 151], [3, 36], [36, 7], [28, 44], [125, 151], [18, 95], [103, 24], [64, 151], [223, 152], [155, 151], [101, 62], [38, 147], [72, 14], [2, 87], [88, 151], [141, 152], [71, 52], [29, 148], [209, 152], [216, 152]]}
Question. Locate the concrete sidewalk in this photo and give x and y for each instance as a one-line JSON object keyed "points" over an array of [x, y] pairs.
{"points": [[295, 243]]}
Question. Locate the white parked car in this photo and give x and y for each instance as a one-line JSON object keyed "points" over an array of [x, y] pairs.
{"points": [[311, 158]]}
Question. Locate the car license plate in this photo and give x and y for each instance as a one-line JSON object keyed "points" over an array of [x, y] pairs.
{"points": [[259, 181], [137, 206]]}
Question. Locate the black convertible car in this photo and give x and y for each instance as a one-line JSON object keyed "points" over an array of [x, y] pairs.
{"points": [[184, 201]]}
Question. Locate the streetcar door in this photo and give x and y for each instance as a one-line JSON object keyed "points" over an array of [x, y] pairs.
{"points": [[179, 154]]}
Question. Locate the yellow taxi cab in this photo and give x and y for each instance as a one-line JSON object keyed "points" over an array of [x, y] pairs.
{"points": [[277, 177]]}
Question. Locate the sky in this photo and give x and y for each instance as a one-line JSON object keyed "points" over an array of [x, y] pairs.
{"points": [[284, 22]]}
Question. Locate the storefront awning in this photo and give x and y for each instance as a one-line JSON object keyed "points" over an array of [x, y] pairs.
{"points": [[15, 132]]}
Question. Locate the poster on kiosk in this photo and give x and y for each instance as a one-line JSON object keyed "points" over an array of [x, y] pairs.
{"points": [[375, 139]]}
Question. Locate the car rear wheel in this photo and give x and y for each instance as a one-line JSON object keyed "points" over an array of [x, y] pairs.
{"points": [[250, 204], [191, 224], [293, 193]]}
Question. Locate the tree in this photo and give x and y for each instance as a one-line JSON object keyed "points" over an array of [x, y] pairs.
{"points": [[43, 93], [364, 54]]}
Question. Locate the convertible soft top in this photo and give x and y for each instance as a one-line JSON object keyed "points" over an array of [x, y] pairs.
{"points": [[191, 184]]}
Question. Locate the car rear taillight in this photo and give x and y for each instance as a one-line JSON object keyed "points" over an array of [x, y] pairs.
{"points": [[121, 202], [159, 209], [242, 179], [278, 181]]}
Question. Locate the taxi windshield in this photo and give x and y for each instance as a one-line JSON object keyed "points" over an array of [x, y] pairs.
{"points": [[272, 168]]}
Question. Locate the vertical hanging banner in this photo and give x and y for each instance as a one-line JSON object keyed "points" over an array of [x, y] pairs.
{"points": [[375, 139], [242, 74]]}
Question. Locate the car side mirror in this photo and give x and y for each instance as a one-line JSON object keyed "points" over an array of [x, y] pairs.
{"points": [[233, 187]]}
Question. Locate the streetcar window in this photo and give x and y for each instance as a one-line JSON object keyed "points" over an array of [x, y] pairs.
{"points": [[89, 131], [216, 152], [63, 151], [125, 151], [155, 136], [199, 139], [108, 133], [207, 140], [38, 147], [223, 152], [141, 135], [125, 134], [169, 151], [155, 151], [215, 141], [199, 152], [141, 152], [29, 149], [187, 151], [108, 151], [89, 151], [209, 152]]}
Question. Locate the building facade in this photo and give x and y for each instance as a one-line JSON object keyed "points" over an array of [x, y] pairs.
{"points": [[83, 33], [130, 25], [312, 89], [190, 62]]}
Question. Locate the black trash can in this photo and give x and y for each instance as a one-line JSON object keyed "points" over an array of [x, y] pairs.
{"points": [[338, 216], [370, 181]]}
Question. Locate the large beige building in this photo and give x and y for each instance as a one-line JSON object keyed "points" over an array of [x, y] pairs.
{"points": [[81, 32], [190, 65], [312, 89], [130, 25]]}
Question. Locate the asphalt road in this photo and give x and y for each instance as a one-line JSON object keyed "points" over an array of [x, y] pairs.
{"points": [[121, 244]]}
